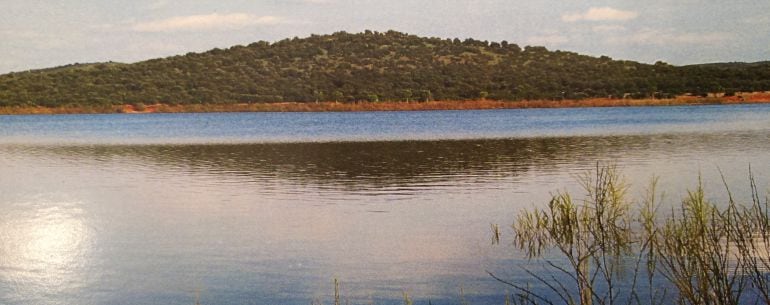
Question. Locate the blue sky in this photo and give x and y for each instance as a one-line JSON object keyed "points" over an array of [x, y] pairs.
{"points": [[37, 34]]}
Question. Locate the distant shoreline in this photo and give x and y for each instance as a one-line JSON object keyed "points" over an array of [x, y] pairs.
{"points": [[748, 98]]}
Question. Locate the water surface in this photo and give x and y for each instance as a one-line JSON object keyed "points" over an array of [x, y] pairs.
{"points": [[269, 208]]}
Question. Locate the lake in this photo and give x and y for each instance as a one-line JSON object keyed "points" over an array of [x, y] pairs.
{"points": [[270, 208]]}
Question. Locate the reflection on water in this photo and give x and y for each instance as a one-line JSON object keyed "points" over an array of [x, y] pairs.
{"points": [[275, 222], [45, 249], [398, 164], [269, 223]]}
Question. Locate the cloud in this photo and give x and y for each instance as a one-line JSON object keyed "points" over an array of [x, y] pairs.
{"points": [[600, 14], [608, 28], [669, 37], [154, 47], [551, 40], [205, 22], [158, 4], [42, 40], [757, 20], [309, 2]]}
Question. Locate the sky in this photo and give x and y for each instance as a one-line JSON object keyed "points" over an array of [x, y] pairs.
{"points": [[38, 34]]}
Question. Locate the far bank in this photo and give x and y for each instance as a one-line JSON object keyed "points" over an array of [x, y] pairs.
{"points": [[747, 98]]}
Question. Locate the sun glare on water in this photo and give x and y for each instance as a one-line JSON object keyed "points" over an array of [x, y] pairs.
{"points": [[44, 250]]}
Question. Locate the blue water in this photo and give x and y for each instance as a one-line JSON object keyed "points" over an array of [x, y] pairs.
{"points": [[373, 126], [270, 208]]}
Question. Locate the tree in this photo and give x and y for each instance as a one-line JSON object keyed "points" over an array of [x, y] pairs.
{"points": [[425, 96], [406, 94], [319, 95], [483, 95], [392, 66]]}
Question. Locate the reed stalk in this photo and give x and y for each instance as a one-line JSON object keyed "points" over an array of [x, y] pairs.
{"points": [[707, 253]]}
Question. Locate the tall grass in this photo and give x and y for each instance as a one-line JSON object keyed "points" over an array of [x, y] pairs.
{"points": [[704, 253]]}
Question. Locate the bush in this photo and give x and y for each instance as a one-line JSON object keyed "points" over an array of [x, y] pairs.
{"points": [[139, 107]]}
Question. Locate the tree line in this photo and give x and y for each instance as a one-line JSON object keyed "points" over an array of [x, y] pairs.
{"points": [[371, 66]]}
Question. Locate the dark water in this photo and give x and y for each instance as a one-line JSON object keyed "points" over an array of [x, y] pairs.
{"points": [[269, 208]]}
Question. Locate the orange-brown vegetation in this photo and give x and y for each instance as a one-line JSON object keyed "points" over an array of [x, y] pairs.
{"points": [[740, 98]]}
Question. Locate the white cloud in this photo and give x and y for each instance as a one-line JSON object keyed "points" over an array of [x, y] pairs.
{"points": [[600, 14], [154, 47], [205, 22], [757, 20], [605, 28], [550, 40], [42, 40], [158, 4], [668, 37], [310, 2], [21, 34]]}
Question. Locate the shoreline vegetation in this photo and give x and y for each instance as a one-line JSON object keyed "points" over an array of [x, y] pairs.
{"points": [[139, 108], [608, 248], [371, 71]]}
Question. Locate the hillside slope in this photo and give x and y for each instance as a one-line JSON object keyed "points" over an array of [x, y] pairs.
{"points": [[369, 66]]}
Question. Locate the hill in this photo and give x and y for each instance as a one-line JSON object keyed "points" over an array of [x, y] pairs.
{"points": [[373, 67]]}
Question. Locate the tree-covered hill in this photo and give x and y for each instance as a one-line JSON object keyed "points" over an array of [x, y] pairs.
{"points": [[370, 66]]}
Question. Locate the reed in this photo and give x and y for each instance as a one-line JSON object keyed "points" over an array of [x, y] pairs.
{"points": [[707, 253]]}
